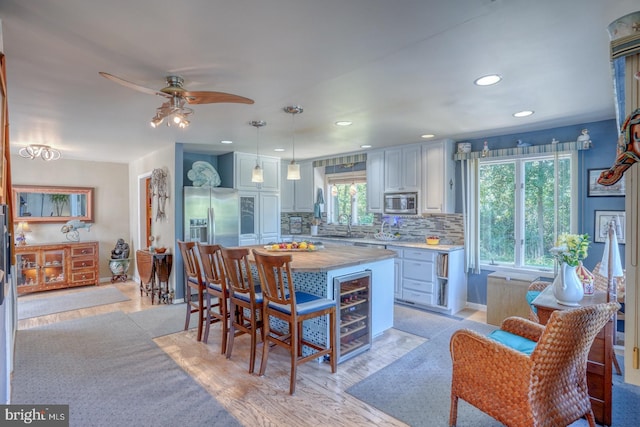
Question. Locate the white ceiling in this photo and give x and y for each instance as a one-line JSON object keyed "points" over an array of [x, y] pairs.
{"points": [[397, 69]]}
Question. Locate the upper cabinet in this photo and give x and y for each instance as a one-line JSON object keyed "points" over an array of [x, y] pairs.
{"points": [[375, 181], [438, 170], [297, 195], [244, 164], [402, 169]]}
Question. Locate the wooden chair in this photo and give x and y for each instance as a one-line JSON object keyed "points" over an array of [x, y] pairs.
{"points": [[245, 301], [547, 387], [215, 287], [293, 308], [193, 281]]}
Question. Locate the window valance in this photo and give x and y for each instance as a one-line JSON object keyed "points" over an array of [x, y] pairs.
{"points": [[344, 160], [560, 147]]}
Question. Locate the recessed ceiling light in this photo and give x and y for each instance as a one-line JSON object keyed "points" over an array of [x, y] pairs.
{"points": [[524, 113], [226, 142], [487, 80], [365, 146], [279, 150], [344, 123], [427, 136]]}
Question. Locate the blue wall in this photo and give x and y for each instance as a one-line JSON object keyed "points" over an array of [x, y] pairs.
{"points": [[604, 136]]}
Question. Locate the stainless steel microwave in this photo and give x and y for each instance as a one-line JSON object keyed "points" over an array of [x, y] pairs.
{"points": [[401, 203]]}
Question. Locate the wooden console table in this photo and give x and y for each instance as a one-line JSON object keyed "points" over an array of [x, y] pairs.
{"points": [[154, 270], [599, 364]]}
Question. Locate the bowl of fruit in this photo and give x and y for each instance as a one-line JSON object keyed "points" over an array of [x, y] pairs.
{"points": [[433, 240], [303, 246]]}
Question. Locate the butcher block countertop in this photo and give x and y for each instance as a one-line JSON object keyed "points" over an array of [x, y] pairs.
{"points": [[332, 257]]}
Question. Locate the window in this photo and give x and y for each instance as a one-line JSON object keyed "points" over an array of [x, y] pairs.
{"points": [[348, 199], [522, 210]]}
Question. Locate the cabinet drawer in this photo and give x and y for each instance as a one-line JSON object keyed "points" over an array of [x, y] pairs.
{"points": [[418, 270], [418, 285], [418, 297], [78, 264], [83, 250], [83, 277], [420, 255]]}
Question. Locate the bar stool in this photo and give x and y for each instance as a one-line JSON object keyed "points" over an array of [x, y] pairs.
{"points": [[215, 286], [193, 282], [293, 307], [245, 301]]}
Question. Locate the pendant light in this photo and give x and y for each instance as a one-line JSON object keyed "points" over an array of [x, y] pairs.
{"points": [[258, 174], [293, 170]]}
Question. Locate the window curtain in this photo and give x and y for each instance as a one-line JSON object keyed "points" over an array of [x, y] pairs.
{"points": [[471, 213]]}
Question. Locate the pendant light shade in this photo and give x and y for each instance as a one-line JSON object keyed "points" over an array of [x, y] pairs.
{"points": [[257, 175], [293, 170]]}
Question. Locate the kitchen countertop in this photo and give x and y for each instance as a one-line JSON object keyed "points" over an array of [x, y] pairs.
{"points": [[331, 257], [398, 243]]}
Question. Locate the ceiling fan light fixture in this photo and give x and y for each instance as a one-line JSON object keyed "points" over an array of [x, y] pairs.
{"points": [[523, 113]]}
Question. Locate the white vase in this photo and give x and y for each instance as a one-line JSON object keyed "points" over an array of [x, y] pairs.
{"points": [[314, 230], [567, 287]]}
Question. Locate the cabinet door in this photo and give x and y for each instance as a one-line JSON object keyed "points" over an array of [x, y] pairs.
{"points": [[249, 217], [53, 267], [303, 189], [287, 189], [438, 192], [271, 168], [28, 271], [402, 168], [375, 181], [269, 217]]}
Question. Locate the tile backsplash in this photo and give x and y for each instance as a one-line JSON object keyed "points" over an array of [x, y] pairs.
{"points": [[449, 227]]}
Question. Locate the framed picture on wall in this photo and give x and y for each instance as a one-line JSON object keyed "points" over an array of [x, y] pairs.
{"points": [[602, 221], [597, 190]]}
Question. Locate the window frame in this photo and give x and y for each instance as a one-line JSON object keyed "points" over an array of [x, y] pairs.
{"points": [[519, 190]]}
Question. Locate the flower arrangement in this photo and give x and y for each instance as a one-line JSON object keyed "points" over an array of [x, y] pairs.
{"points": [[571, 248]]}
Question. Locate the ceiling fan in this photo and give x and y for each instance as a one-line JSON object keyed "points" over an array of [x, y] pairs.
{"points": [[177, 96]]}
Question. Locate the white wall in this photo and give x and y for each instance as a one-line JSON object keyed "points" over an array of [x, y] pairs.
{"points": [[163, 231], [111, 200]]}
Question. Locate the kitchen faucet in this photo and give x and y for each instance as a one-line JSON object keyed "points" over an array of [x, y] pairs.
{"points": [[348, 218]]}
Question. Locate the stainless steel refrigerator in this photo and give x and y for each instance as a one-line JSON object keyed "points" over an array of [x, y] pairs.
{"points": [[211, 215]]}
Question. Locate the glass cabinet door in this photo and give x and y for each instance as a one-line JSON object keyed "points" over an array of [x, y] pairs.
{"points": [[27, 269], [52, 267]]}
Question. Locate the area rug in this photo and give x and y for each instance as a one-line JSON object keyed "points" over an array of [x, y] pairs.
{"points": [[110, 373], [423, 323], [416, 388], [163, 319], [58, 303]]}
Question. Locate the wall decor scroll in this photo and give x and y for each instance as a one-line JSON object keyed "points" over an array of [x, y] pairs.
{"points": [[160, 192]]}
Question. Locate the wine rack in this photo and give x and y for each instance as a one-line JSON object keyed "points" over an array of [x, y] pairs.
{"points": [[354, 325]]}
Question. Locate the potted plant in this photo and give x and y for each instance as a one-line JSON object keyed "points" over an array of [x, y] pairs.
{"points": [[59, 201]]}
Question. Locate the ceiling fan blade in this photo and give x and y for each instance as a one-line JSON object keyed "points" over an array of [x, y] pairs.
{"points": [[133, 86], [207, 97]]}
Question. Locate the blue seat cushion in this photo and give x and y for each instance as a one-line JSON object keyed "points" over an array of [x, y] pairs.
{"points": [[514, 341], [245, 296], [531, 295], [215, 286], [305, 303]]}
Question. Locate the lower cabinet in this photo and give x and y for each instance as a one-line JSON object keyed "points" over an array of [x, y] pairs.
{"points": [[432, 279], [507, 296], [56, 266]]}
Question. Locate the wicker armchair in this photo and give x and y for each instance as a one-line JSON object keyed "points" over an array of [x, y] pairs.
{"points": [[546, 388]]}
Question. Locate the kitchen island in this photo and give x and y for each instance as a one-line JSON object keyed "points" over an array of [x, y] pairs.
{"points": [[320, 273]]}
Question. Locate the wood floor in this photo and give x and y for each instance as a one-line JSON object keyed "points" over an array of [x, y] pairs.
{"points": [[320, 397]]}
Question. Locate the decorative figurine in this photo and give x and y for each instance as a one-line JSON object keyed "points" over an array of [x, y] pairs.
{"points": [[119, 264], [70, 229], [485, 150], [584, 140]]}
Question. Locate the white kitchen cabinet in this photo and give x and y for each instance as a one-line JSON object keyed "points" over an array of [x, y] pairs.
{"points": [[433, 279], [402, 169], [297, 195], [375, 181], [243, 168], [438, 171], [259, 217]]}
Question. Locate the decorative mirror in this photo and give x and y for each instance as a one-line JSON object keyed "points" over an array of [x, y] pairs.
{"points": [[52, 204]]}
